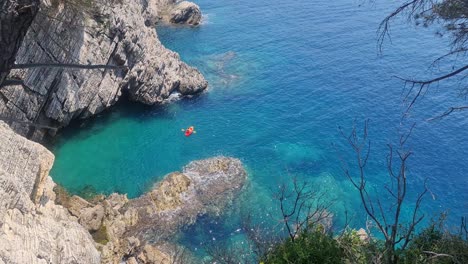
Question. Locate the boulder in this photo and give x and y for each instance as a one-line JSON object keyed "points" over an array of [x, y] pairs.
{"points": [[185, 13], [91, 218], [76, 204]]}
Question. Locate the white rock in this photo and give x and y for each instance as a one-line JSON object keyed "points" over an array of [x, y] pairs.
{"points": [[33, 229]]}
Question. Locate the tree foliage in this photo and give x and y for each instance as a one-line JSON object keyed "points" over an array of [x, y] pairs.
{"points": [[310, 246], [435, 244]]}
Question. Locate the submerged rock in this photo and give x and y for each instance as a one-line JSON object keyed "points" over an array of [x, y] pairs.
{"points": [[33, 229]]}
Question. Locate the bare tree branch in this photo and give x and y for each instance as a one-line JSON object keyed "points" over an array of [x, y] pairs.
{"points": [[388, 223], [384, 27], [457, 52], [448, 112], [67, 65], [452, 15], [308, 208], [437, 255], [440, 78], [463, 228], [14, 82], [11, 120], [425, 84]]}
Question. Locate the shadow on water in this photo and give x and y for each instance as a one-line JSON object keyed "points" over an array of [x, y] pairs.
{"points": [[87, 192], [205, 230], [123, 109]]}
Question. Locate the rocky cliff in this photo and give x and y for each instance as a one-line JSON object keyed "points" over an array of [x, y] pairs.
{"points": [[103, 32], [32, 228], [39, 226]]}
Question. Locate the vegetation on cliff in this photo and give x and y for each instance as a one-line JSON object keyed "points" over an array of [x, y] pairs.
{"points": [[394, 228], [432, 245]]}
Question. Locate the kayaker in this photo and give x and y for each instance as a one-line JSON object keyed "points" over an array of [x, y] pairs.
{"points": [[189, 131]]}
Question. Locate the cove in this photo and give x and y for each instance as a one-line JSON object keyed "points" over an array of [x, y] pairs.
{"points": [[284, 76]]}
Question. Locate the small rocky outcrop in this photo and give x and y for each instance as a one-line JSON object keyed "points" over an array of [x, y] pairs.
{"points": [[185, 13], [33, 229], [141, 227], [203, 187], [93, 32], [362, 234]]}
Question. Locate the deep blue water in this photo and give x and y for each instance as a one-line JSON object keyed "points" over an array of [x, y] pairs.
{"points": [[284, 75]]}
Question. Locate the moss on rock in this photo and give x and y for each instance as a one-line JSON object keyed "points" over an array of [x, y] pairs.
{"points": [[100, 235]]}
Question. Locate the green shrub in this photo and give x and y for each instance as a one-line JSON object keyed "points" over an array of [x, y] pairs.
{"points": [[356, 250], [434, 245], [309, 247]]}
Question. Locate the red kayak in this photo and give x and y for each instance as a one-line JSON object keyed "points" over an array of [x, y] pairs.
{"points": [[189, 131]]}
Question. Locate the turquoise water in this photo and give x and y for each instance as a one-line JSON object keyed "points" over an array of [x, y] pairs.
{"points": [[284, 75]]}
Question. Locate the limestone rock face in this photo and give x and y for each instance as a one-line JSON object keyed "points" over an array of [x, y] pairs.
{"points": [[33, 229], [120, 34], [91, 218], [167, 195], [185, 13]]}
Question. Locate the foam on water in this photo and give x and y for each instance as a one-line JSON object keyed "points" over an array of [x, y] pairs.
{"points": [[205, 19]]}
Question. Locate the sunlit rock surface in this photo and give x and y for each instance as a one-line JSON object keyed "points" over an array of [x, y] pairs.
{"points": [[33, 229]]}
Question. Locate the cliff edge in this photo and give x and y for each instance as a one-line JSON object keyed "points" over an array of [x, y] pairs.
{"points": [[33, 229]]}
